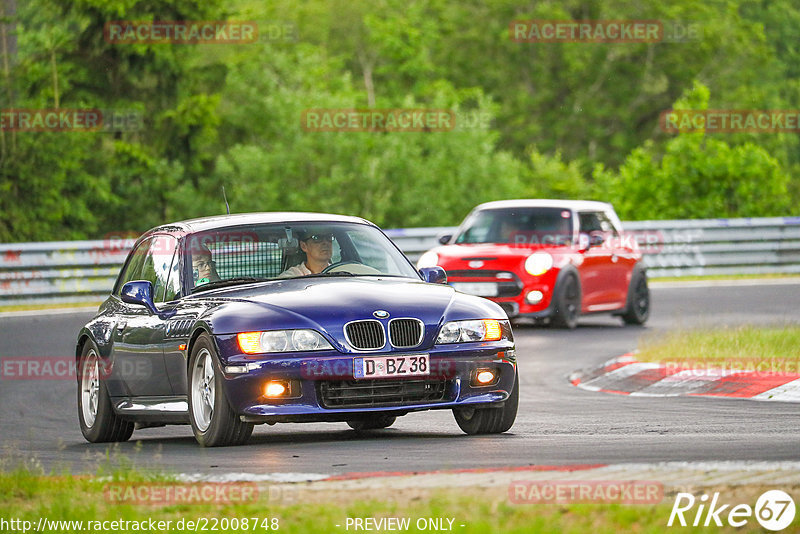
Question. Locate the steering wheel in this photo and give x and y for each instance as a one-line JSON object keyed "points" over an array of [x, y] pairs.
{"points": [[351, 267]]}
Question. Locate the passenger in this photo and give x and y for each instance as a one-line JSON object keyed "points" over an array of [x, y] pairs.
{"points": [[203, 267]]}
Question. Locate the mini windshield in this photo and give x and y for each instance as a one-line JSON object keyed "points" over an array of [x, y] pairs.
{"points": [[551, 226], [276, 251]]}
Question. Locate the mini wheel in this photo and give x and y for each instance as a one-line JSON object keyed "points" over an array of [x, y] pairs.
{"points": [[637, 309], [567, 303]]}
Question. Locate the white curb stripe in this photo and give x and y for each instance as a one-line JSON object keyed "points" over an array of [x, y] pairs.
{"points": [[788, 393], [617, 374]]}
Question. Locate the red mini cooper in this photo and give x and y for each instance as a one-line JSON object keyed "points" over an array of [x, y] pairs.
{"points": [[547, 259]]}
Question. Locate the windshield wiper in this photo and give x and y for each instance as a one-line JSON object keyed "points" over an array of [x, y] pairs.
{"points": [[325, 275], [228, 282]]}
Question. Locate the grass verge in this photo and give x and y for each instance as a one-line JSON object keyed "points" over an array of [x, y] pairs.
{"points": [[776, 348], [723, 277], [30, 496], [52, 306]]}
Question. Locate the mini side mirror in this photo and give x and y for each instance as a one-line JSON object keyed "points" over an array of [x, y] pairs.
{"points": [[595, 240], [583, 242], [445, 238]]}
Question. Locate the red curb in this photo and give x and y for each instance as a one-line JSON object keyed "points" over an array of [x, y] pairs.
{"points": [[615, 366], [738, 385], [376, 474], [614, 391], [697, 383]]}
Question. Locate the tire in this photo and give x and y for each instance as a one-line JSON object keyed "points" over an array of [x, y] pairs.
{"points": [[637, 309], [213, 421], [567, 307], [376, 423], [99, 423], [490, 420]]}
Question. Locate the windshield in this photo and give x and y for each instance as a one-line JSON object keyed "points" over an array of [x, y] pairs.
{"points": [[279, 251], [551, 226]]}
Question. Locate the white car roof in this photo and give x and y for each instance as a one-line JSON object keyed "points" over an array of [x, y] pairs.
{"points": [[574, 205]]}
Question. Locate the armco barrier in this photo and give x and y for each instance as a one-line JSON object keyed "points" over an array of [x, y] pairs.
{"points": [[85, 270]]}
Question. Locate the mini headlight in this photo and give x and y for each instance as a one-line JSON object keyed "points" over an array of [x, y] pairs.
{"points": [[429, 259], [467, 331], [282, 341], [538, 263]]}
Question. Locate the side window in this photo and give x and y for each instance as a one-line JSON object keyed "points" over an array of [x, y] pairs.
{"points": [[596, 222], [157, 264], [133, 268], [590, 222], [173, 288], [607, 225]]}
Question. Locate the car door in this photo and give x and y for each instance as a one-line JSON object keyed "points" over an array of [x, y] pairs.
{"points": [[596, 268], [139, 336], [623, 259], [178, 326]]}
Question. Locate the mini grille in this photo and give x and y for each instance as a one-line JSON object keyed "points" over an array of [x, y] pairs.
{"points": [[360, 393], [365, 335], [404, 333]]}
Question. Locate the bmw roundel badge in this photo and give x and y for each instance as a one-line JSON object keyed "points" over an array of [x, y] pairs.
{"points": [[380, 314]]}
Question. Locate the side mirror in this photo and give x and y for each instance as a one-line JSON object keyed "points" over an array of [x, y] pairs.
{"points": [[139, 292], [434, 275], [587, 241], [584, 242], [445, 238]]}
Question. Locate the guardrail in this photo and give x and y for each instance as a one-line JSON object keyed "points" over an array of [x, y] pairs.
{"points": [[74, 271]]}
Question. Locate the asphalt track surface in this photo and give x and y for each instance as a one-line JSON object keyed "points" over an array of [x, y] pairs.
{"points": [[557, 423]]}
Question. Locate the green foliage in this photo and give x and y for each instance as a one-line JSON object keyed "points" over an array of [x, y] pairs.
{"points": [[563, 120], [696, 176], [552, 177]]}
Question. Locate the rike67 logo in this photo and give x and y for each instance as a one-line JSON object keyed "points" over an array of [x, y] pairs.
{"points": [[774, 511]]}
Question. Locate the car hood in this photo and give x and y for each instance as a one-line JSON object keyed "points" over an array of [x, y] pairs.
{"points": [[492, 251], [327, 304]]}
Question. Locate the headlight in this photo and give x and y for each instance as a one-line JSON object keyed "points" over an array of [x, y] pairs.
{"points": [[429, 259], [466, 331], [538, 263], [281, 341]]}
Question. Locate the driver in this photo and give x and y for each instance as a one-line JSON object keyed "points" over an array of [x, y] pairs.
{"points": [[319, 250]]}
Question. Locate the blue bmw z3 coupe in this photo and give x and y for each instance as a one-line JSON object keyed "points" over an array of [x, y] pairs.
{"points": [[226, 322]]}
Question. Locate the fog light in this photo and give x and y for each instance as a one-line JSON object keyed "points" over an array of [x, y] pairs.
{"points": [[484, 377], [275, 389], [534, 297]]}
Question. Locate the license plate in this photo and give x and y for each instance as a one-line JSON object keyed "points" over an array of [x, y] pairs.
{"points": [[383, 366], [480, 289]]}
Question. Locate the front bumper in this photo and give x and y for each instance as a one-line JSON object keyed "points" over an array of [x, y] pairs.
{"points": [[517, 304], [316, 374]]}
